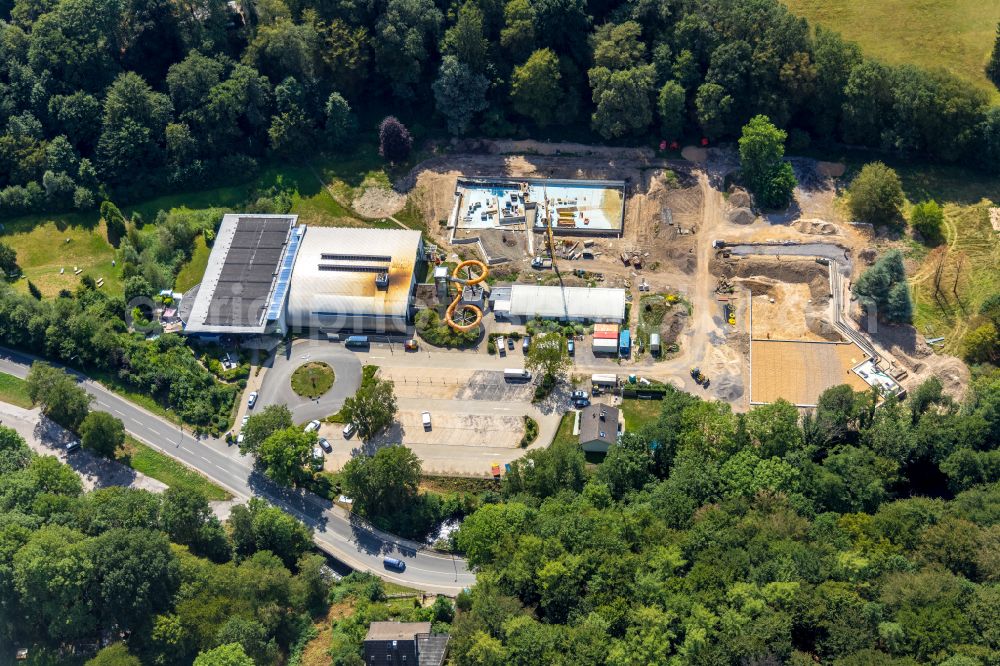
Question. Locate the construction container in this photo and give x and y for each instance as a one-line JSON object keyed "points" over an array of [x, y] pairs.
{"points": [[654, 343]]}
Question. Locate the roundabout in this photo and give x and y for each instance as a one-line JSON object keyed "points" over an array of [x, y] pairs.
{"points": [[344, 377], [312, 379]]}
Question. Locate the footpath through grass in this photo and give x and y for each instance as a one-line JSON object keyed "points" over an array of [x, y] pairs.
{"points": [[955, 35], [14, 391], [163, 468]]}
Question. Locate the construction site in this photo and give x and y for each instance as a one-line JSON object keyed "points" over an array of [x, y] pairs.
{"points": [[742, 307]]}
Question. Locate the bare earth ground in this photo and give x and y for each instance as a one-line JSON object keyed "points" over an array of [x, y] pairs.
{"points": [[676, 248], [379, 202]]}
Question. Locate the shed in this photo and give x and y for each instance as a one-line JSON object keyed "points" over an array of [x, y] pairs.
{"points": [[654, 343]]}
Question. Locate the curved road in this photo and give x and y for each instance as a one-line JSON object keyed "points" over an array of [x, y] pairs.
{"points": [[276, 387], [336, 532]]}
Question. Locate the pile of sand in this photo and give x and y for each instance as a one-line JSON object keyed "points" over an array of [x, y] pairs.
{"points": [[741, 216], [694, 154], [817, 227], [379, 202], [831, 169], [740, 198]]}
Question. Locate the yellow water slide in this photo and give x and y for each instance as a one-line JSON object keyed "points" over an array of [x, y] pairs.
{"points": [[466, 317]]}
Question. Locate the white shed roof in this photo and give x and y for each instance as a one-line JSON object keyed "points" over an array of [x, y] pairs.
{"points": [[597, 304], [335, 273]]}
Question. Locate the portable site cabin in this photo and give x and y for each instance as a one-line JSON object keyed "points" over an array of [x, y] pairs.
{"points": [[625, 344], [654, 343]]}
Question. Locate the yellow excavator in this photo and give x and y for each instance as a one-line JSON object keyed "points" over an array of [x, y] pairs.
{"points": [[465, 317]]}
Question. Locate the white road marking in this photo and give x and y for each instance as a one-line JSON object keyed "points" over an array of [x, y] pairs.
{"points": [[376, 357]]}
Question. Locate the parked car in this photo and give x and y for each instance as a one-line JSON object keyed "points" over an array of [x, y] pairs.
{"points": [[312, 426], [245, 419], [510, 344], [501, 348], [239, 438], [73, 446], [393, 563], [581, 403], [578, 395], [349, 430], [571, 348], [325, 443], [426, 418], [411, 345], [526, 344], [252, 400]]}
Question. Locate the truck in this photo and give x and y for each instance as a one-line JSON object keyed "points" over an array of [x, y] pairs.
{"points": [[356, 341], [516, 375], [604, 380], [541, 263]]}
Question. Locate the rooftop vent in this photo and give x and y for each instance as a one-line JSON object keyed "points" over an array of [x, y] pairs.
{"points": [[382, 281]]}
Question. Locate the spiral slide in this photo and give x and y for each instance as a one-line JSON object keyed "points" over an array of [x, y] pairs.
{"points": [[466, 317]]}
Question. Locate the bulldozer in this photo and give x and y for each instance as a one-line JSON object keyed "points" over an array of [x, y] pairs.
{"points": [[698, 377]]}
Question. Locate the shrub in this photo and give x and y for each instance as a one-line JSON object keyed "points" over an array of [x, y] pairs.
{"points": [[876, 194], [530, 431], [927, 218]]}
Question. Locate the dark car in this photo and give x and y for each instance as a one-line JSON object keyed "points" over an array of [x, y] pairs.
{"points": [[393, 563], [578, 395], [581, 403], [73, 446], [325, 443], [510, 344]]}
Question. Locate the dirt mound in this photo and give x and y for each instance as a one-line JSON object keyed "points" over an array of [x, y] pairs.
{"points": [[831, 169], [741, 216], [758, 285], [818, 322], [916, 356], [673, 324], [379, 202], [785, 269], [739, 198], [682, 258], [817, 227], [694, 154]]}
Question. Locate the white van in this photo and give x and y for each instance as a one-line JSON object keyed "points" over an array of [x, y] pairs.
{"points": [[516, 374]]}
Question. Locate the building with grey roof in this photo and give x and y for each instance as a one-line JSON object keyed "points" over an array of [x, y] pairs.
{"points": [[521, 302], [599, 427], [246, 280], [404, 644]]}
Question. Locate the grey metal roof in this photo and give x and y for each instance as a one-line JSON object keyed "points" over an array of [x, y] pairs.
{"points": [[235, 292], [593, 428], [396, 631], [554, 302]]}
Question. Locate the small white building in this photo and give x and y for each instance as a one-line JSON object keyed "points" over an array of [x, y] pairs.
{"points": [[584, 304]]}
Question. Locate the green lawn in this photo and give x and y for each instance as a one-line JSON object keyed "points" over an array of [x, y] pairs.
{"points": [[970, 261], [191, 273], [46, 245], [954, 34], [312, 379], [14, 390], [638, 412], [163, 468]]}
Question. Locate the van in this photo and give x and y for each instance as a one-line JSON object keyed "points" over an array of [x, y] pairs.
{"points": [[516, 374], [526, 344], [500, 347], [426, 419], [356, 341], [349, 430], [393, 563], [73, 446]]}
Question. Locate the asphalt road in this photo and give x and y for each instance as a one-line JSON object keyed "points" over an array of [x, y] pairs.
{"points": [[336, 532], [276, 388]]}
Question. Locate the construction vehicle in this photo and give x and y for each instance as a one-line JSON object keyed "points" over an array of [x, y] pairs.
{"points": [[540, 263], [698, 377]]}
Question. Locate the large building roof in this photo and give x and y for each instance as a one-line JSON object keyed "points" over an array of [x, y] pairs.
{"points": [[246, 278], [347, 272], [596, 304]]}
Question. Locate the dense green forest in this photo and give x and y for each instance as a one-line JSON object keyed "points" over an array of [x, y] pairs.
{"points": [[107, 98], [855, 536], [77, 568]]}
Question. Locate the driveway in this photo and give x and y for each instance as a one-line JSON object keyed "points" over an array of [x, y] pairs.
{"points": [[276, 388]]}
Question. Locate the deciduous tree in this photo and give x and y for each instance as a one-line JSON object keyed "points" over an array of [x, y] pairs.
{"points": [[876, 194], [102, 433], [372, 409]]}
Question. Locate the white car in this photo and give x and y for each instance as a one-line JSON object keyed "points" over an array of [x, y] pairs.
{"points": [[252, 400], [317, 453], [245, 419], [426, 418], [312, 426], [239, 438], [349, 430]]}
